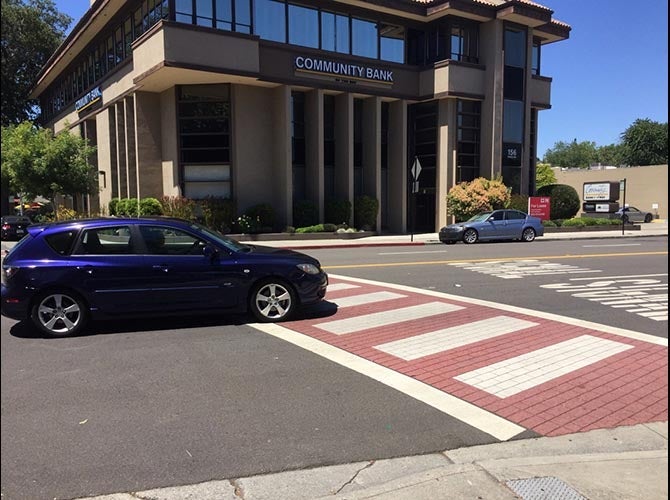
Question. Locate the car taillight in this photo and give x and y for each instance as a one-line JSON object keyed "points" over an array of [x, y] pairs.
{"points": [[8, 272], [5, 226]]}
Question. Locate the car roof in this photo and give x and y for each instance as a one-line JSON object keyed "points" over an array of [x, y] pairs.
{"points": [[105, 221]]}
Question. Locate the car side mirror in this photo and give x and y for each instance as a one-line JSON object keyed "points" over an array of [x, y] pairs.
{"points": [[210, 252]]}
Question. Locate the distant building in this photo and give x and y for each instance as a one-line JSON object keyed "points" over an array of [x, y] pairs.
{"points": [[278, 101]]}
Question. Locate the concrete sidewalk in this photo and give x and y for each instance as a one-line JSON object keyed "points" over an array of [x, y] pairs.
{"points": [[626, 463]]}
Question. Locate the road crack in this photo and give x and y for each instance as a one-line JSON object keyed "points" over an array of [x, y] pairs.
{"points": [[353, 478]]}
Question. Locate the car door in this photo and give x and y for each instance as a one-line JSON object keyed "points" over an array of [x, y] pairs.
{"points": [[515, 222], [493, 227], [182, 277], [105, 264]]}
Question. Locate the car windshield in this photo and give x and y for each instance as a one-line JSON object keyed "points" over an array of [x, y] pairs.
{"points": [[226, 242], [479, 217]]}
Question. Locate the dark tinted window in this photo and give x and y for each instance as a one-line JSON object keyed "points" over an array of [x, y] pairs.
{"points": [[106, 241], [514, 215], [61, 242]]}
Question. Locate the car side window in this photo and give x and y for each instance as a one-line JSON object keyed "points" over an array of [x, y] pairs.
{"points": [[498, 216], [168, 241], [106, 241], [514, 215], [61, 242]]}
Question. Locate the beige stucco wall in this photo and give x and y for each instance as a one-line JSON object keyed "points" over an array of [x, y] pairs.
{"points": [[645, 186]]}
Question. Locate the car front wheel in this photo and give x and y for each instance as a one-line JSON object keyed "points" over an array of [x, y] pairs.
{"points": [[528, 234], [273, 300], [59, 314], [470, 236]]}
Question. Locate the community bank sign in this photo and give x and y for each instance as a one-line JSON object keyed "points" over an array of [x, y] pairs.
{"points": [[342, 70]]}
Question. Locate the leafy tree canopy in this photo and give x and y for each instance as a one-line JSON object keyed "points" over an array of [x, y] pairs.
{"points": [[35, 162], [31, 32], [544, 175], [645, 142], [571, 155]]}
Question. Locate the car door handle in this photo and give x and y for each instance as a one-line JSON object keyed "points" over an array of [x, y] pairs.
{"points": [[86, 269], [162, 267]]}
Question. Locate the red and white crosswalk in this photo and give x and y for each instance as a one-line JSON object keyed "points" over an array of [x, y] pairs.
{"points": [[499, 368]]}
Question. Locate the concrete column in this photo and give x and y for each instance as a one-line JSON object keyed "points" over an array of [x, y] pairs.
{"points": [[491, 55], [120, 151], [169, 152], [372, 125], [283, 173], [446, 158], [314, 147], [397, 166], [148, 146], [104, 161], [344, 148]]}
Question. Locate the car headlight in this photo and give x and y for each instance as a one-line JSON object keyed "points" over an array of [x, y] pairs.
{"points": [[308, 268]]}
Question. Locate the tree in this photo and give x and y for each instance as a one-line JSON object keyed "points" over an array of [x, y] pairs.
{"points": [[610, 155], [645, 142], [572, 155], [32, 30], [544, 175], [38, 163], [479, 195]]}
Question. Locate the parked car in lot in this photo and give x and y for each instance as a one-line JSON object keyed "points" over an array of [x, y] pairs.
{"points": [[61, 275], [504, 224], [632, 214], [14, 226]]}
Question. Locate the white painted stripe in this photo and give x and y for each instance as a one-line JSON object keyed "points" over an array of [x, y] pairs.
{"points": [[384, 318], [529, 370], [450, 338], [616, 245], [407, 253], [620, 277], [622, 332], [366, 298], [341, 286], [468, 413]]}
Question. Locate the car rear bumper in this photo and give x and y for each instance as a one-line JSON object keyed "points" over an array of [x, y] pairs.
{"points": [[13, 305]]}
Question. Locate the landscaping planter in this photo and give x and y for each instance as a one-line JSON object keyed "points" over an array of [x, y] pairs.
{"points": [[301, 236], [585, 229]]}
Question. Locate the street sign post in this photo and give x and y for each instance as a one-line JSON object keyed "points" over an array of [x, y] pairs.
{"points": [[414, 188], [622, 187]]}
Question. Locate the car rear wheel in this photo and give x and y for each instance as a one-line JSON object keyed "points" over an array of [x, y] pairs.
{"points": [[528, 234], [273, 300], [59, 314], [647, 218], [449, 242], [470, 236]]}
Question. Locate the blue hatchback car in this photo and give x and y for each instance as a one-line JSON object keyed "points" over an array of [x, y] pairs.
{"points": [[62, 275], [503, 224]]}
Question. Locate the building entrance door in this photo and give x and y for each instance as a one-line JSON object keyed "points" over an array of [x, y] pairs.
{"points": [[422, 144]]}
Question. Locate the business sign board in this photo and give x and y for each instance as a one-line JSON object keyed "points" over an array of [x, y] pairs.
{"points": [[601, 191], [342, 71], [539, 206], [88, 99]]}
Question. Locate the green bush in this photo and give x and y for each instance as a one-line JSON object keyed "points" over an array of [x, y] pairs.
{"points": [[305, 213], [218, 213], [518, 202], [112, 207], [127, 207], [264, 216], [480, 195], [365, 212], [549, 223], [317, 228], [576, 222], [150, 206], [565, 202], [178, 206], [337, 211]]}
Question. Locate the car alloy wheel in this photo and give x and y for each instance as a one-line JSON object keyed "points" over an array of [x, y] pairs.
{"points": [[647, 218], [528, 234], [470, 236], [59, 314], [273, 300]]}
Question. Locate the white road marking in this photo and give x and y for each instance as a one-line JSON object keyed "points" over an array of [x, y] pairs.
{"points": [[614, 245], [468, 413], [366, 298], [426, 344], [622, 332], [524, 372], [384, 318], [407, 253], [521, 268], [620, 277], [341, 286]]}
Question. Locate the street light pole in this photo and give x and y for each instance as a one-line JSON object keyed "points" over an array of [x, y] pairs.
{"points": [[623, 209]]}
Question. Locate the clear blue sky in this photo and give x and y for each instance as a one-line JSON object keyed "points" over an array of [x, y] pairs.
{"points": [[611, 71]]}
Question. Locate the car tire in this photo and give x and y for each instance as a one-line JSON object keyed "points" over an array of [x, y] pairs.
{"points": [[470, 236], [528, 235], [449, 242], [59, 313], [648, 217], [273, 300]]}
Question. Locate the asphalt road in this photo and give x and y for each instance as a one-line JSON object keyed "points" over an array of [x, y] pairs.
{"points": [[138, 405]]}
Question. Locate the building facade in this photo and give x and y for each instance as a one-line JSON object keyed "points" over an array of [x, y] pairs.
{"points": [[280, 101]]}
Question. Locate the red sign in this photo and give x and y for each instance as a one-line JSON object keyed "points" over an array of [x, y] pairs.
{"points": [[539, 206]]}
